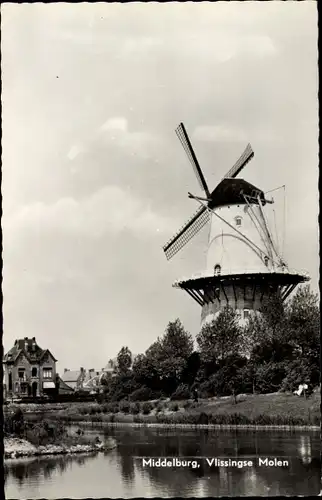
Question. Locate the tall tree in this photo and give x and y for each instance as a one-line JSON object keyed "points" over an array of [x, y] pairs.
{"points": [[220, 338], [124, 361], [304, 321], [177, 342], [176, 348]]}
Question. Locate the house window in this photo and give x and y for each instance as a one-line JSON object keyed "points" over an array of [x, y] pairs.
{"points": [[238, 221], [34, 372], [24, 388], [21, 374], [17, 387], [48, 373]]}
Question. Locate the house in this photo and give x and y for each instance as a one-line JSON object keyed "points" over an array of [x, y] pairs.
{"points": [[92, 380], [29, 370], [74, 378], [110, 367]]}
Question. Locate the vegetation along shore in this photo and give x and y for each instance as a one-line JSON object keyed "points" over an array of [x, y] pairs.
{"points": [[23, 437], [237, 377], [275, 352]]}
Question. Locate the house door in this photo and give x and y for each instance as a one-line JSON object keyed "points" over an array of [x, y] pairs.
{"points": [[29, 390], [34, 389]]}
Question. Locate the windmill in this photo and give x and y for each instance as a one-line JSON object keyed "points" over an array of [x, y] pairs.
{"points": [[244, 264]]}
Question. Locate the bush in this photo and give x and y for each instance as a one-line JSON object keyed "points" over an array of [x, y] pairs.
{"points": [[300, 372], [112, 407], [125, 406], [182, 392], [188, 405], [15, 423], [269, 377], [135, 408], [83, 410], [142, 394], [146, 408], [158, 407], [44, 432], [174, 407], [94, 409]]}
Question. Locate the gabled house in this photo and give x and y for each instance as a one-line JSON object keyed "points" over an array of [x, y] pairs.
{"points": [[29, 370]]}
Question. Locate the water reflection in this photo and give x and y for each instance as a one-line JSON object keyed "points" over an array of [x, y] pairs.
{"points": [[127, 477], [42, 468]]}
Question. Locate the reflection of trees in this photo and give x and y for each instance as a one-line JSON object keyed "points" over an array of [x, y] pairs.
{"points": [[298, 478], [127, 468], [301, 478], [42, 467], [177, 482], [237, 444]]}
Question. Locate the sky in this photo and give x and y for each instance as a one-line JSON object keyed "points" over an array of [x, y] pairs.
{"points": [[95, 181]]}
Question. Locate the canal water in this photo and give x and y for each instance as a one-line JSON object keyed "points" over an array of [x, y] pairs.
{"points": [[122, 472]]}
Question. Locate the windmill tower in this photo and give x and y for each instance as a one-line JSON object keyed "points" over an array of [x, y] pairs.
{"points": [[244, 266]]}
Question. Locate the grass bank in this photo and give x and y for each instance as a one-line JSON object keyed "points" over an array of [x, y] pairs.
{"points": [[15, 447], [24, 437], [278, 410]]}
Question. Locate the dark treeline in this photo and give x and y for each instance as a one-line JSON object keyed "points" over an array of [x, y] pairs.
{"points": [[274, 352]]}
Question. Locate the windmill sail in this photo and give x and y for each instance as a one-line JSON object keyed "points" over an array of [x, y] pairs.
{"points": [[184, 139], [189, 230], [241, 162]]}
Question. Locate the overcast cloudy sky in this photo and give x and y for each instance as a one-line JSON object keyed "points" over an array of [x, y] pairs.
{"points": [[95, 180]]}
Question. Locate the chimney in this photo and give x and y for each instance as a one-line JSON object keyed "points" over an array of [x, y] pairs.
{"points": [[26, 343], [33, 343], [66, 370]]}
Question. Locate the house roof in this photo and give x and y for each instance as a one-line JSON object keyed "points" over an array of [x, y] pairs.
{"points": [[71, 376], [63, 386], [29, 348]]}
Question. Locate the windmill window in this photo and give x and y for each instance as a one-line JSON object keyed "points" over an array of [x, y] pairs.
{"points": [[238, 221], [217, 270], [266, 260]]}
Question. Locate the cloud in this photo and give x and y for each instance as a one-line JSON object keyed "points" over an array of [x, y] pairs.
{"points": [[136, 143], [74, 151], [227, 134], [111, 210], [218, 133], [116, 123], [223, 48]]}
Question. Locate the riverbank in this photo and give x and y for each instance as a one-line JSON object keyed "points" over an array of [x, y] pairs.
{"points": [[224, 427], [17, 447], [254, 411]]}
